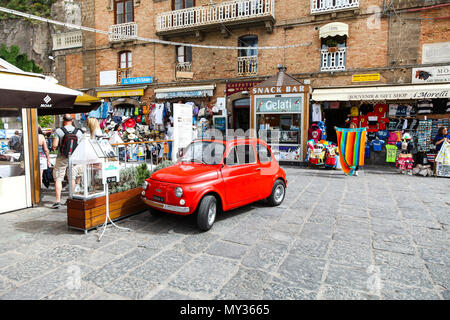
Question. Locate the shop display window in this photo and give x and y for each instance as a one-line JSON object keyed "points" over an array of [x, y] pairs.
{"points": [[276, 128], [11, 143]]}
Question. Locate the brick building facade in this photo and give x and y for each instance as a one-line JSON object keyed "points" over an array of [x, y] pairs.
{"points": [[386, 38]]}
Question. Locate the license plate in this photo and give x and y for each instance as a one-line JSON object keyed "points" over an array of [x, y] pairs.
{"points": [[161, 199]]}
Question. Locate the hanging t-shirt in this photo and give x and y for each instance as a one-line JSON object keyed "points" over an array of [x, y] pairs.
{"points": [[377, 144], [381, 109], [316, 112], [383, 134], [363, 121], [393, 109], [391, 153], [334, 105], [159, 109], [354, 111], [355, 120]]}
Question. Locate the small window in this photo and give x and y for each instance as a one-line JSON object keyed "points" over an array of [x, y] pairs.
{"points": [[125, 60], [264, 155], [182, 4], [184, 54], [250, 42], [123, 10]]}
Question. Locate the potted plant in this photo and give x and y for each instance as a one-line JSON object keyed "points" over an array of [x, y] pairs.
{"points": [[124, 199], [332, 45]]}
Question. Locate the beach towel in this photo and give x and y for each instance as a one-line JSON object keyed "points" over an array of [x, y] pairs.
{"points": [[351, 144]]}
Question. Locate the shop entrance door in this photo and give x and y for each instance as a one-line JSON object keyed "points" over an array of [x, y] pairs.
{"points": [[335, 117], [241, 114]]}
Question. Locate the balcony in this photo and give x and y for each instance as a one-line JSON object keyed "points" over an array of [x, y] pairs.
{"points": [[247, 66], [183, 70], [123, 31], [326, 6], [123, 73], [333, 61], [67, 40], [214, 17]]}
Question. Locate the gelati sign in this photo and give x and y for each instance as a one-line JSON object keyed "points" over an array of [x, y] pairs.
{"points": [[282, 104]]}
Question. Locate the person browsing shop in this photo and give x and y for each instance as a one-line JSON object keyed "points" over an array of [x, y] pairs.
{"points": [[65, 140], [441, 137]]}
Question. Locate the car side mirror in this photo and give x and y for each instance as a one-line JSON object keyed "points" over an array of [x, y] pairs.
{"points": [[180, 153]]}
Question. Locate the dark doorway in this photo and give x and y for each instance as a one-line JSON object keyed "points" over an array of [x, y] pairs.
{"points": [[241, 114], [334, 118]]}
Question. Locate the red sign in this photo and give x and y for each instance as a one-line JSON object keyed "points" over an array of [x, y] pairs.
{"points": [[234, 87]]}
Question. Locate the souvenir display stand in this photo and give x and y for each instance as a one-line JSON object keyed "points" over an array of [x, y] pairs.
{"points": [[89, 202], [443, 161]]}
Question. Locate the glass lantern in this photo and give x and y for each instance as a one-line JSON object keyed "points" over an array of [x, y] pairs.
{"points": [[85, 171]]}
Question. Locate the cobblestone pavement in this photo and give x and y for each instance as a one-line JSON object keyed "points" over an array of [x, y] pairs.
{"points": [[380, 235]]}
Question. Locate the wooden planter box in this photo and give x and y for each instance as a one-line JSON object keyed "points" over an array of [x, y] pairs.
{"points": [[88, 214]]}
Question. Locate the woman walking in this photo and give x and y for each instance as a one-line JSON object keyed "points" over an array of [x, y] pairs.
{"points": [[44, 155]]}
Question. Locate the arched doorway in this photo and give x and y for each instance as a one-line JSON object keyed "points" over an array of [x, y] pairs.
{"points": [[241, 114]]}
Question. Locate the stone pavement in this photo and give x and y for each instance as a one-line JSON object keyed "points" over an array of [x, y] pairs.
{"points": [[380, 235]]}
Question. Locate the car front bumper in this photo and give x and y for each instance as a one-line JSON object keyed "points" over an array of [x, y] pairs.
{"points": [[163, 206]]}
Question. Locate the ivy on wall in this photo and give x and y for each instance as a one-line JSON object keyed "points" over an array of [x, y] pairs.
{"points": [[37, 7], [20, 60]]}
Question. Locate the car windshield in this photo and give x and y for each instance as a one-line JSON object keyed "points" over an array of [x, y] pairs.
{"points": [[206, 152]]}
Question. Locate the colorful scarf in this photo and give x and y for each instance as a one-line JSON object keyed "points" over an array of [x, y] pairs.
{"points": [[351, 144]]}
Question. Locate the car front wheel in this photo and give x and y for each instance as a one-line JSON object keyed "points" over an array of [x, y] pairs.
{"points": [[207, 212], [278, 193]]}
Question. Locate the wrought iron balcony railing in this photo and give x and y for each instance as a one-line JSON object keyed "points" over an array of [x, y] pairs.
{"points": [[247, 65], [319, 6], [123, 31], [212, 14], [333, 61]]}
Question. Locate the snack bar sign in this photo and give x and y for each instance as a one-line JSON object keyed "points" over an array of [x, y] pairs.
{"points": [[280, 104]]}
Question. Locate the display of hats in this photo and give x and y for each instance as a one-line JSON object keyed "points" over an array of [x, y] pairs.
{"points": [[139, 118], [130, 130], [130, 123], [131, 136]]}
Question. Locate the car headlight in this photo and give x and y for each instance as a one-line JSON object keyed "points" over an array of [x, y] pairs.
{"points": [[178, 192], [145, 185]]}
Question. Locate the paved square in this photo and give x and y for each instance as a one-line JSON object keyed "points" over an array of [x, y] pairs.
{"points": [[381, 235]]}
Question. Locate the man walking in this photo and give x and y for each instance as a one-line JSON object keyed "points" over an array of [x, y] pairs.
{"points": [[66, 140]]}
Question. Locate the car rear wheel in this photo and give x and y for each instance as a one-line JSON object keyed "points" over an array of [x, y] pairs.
{"points": [[278, 193], [207, 212]]}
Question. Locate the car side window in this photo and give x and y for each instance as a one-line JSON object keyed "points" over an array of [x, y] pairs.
{"points": [[232, 159], [264, 155], [241, 154]]}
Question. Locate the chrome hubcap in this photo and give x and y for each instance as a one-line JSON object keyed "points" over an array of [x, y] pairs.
{"points": [[212, 213], [279, 193]]}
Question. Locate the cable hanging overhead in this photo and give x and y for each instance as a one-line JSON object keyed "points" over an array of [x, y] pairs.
{"points": [[173, 43]]}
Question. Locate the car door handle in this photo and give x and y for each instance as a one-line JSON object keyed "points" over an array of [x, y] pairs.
{"points": [[257, 169]]}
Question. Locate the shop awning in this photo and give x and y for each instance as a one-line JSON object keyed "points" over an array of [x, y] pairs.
{"points": [[185, 92], [29, 90], [82, 104], [333, 29], [399, 92]]}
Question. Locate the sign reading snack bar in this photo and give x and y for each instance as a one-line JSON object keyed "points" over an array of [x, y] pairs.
{"points": [[431, 74], [277, 90]]}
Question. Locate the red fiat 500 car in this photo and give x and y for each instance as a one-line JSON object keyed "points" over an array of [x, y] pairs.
{"points": [[216, 175]]}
